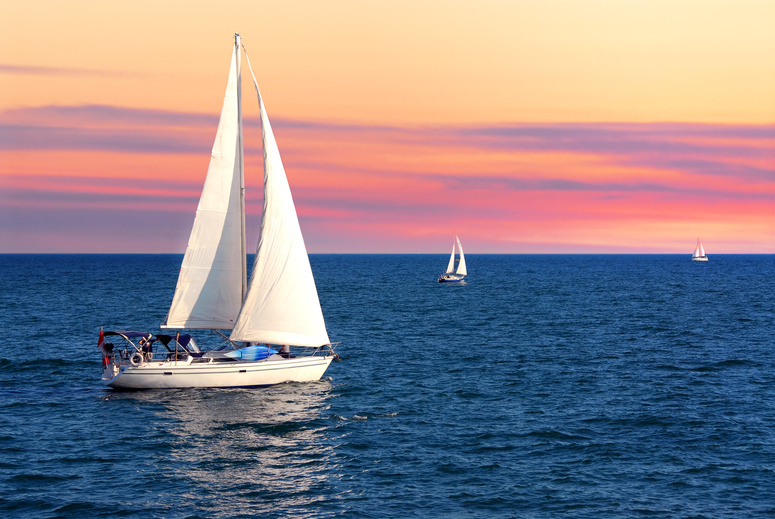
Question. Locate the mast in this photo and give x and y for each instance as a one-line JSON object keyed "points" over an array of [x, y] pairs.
{"points": [[241, 159]]}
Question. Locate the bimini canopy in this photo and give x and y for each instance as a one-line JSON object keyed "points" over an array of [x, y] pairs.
{"points": [[128, 334]]}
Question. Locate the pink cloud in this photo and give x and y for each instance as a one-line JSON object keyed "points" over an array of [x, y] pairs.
{"points": [[514, 188]]}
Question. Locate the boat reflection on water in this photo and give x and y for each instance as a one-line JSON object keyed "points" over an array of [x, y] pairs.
{"points": [[261, 451]]}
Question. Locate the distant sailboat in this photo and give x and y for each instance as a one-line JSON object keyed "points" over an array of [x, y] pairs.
{"points": [[451, 275], [699, 252], [278, 310]]}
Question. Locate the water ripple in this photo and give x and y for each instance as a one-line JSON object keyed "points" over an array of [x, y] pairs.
{"points": [[589, 387]]}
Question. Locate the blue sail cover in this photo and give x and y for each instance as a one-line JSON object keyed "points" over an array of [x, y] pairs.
{"points": [[252, 353]]}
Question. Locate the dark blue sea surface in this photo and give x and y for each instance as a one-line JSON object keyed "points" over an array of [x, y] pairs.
{"points": [[592, 386]]}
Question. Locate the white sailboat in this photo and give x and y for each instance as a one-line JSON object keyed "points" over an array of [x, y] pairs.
{"points": [[451, 275], [699, 252], [278, 333]]}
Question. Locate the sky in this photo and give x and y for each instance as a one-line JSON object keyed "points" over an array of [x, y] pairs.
{"points": [[524, 126]]}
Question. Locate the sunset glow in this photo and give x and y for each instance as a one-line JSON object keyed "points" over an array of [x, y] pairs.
{"points": [[525, 127]]}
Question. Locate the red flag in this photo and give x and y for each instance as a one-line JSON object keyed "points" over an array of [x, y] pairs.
{"points": [[101, 346]]}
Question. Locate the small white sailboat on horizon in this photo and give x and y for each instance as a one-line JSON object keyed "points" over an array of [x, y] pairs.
{"points": [[277, 331], [452, 275], [699, 252]]}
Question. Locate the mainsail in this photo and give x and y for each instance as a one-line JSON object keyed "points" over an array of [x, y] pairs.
{"points": [[212, 277], [282, 305], [451, 264]]}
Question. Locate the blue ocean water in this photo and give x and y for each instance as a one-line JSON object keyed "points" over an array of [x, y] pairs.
{"points": [[602, 386]]}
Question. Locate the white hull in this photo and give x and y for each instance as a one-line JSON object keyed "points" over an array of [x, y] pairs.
{"points": [[167, 375], [700, 258], [451, 278]]}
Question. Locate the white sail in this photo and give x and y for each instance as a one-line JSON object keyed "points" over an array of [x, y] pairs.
{"points": [[451, 264], [461, 268], [210, 285], [282, 305], [698, 250]]}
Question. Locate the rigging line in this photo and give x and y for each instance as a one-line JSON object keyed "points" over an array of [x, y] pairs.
{"points": [[255, 83]]}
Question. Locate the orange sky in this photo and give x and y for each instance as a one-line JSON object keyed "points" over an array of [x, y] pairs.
{"points": [[525, 126]]}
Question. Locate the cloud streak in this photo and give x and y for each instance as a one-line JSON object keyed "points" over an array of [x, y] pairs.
{"points": [[52, 127], [529, 184], [28, 70]]}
